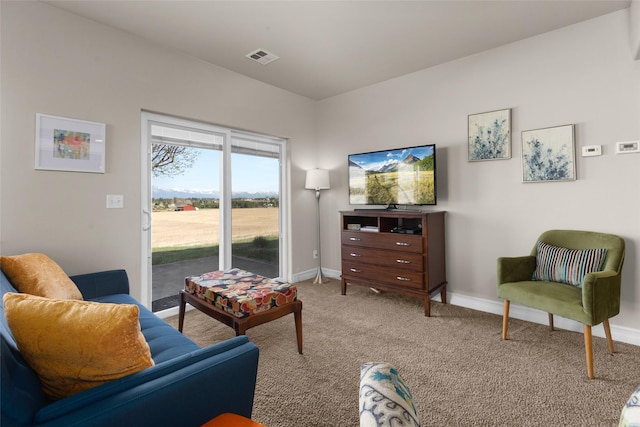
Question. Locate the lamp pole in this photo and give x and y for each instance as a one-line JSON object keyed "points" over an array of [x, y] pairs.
{"points": [[319, 278], [318, 179]]}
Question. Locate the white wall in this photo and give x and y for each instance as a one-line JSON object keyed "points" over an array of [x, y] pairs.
{"points": [[583, 74], [54, 62]]}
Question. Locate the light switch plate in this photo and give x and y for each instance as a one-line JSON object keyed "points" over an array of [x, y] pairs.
{"points": [[115, 201], [625, 147], [591, 150]]}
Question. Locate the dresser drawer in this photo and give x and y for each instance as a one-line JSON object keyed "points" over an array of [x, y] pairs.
{"points": [[376, 273], [396, 259], [387, 241]]}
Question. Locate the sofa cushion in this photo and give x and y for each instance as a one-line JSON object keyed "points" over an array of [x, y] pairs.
{"points": [[165, 342], [76, 345], [555, 264], [37, 274]]}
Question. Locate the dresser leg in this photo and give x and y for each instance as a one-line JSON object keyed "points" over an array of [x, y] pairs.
{"points": [[427, 306], [344, 287], [443, 294]]}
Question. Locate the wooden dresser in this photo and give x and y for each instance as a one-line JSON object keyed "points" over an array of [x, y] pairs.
{"points": [[395, 251]]}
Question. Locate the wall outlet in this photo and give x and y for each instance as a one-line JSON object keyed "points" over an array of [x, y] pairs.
{"points": [[315, 254]]}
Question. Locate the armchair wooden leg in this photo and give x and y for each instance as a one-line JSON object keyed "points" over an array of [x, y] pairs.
{"points": [[551, 321], [588, 348], [505, 319], [607, 332]]}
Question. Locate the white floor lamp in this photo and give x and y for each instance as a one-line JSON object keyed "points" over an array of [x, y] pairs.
{"points": [[318, 179]]}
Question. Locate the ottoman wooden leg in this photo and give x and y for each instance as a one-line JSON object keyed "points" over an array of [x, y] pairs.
{"points": [[297, 316], [240, 330], [181, 311]]}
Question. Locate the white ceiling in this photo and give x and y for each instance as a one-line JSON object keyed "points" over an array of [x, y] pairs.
{"points": [[330, 47]]}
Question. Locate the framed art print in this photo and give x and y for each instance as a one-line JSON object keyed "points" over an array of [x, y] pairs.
{"points": [[489, 135], [65, 144], [549, 154]]}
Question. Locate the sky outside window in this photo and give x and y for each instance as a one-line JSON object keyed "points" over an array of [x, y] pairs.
{"points": [[250, 174]]}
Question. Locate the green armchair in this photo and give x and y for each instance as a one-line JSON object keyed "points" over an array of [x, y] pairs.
{"points": [[593, 296]]}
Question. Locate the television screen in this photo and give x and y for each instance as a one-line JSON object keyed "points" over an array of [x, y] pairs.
{"points": [[402, 176]]}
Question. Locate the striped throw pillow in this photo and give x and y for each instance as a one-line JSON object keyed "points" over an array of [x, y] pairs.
{"points": [[564, 265]]}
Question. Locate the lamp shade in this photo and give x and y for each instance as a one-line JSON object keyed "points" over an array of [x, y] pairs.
{"points": [[317, 179]]}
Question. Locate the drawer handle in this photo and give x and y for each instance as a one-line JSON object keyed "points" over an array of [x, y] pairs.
{"points": [[403, 261], [403, 244], [403, 279], [355, 239], [355, 254], [355, 270]]}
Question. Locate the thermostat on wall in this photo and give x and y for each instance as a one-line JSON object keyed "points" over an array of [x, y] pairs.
{"points": [[591, 150], [628, 147]]}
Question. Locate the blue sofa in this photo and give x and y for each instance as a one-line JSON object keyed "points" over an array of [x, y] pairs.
{"points": [[188, 385]]}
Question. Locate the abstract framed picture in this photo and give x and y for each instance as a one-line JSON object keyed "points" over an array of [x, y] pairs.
{"points": [[64, 144], [490, 135], [549, 154]]}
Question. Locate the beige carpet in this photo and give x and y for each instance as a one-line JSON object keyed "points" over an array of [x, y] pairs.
{"points": [[460, 371]]}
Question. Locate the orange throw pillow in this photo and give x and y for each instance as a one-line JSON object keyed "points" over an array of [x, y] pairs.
{"points": [[76, 345], [37, 274]]}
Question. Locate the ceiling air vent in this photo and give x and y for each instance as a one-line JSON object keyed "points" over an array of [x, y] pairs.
{"points": [[262, 56]]}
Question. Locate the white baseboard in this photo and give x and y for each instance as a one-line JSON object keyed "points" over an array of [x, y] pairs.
{"points": [[618, 333], [311, 274]]}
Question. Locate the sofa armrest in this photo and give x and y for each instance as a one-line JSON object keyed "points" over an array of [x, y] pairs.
{"points": [[516, 269], [601, 295], [188, 390], [102, 283]]}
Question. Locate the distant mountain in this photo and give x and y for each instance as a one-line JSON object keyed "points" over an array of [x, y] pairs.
{"points": [[393, 166], [168, 193], [410, 159]]}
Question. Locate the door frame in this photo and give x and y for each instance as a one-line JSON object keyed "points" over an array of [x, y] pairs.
{"points": [[149, 118]]}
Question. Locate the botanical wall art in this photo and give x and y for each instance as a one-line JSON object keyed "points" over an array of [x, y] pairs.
{"points": [[490, 135], [548, 154], [69, 145]]}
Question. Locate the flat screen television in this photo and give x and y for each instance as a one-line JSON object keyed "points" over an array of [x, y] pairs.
{"points": [[400, 176]]}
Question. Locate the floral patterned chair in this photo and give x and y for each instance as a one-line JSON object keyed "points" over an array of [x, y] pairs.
{"points": [[385, 399]]}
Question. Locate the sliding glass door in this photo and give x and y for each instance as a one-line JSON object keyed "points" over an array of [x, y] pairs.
{"points": [[255, 231], [213, 201]]}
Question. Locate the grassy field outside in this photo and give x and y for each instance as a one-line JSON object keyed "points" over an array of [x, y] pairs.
{"points": [[181, 235]]}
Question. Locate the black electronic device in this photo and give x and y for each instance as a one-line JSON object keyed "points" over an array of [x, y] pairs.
{"points": [[405, 230]]}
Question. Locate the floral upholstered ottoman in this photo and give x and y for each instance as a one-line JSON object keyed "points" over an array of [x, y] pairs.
{"points": [[241, 292], [241, 299]]}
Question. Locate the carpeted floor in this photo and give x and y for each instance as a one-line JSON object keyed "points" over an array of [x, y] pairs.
{"points": [[460, 371]]}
